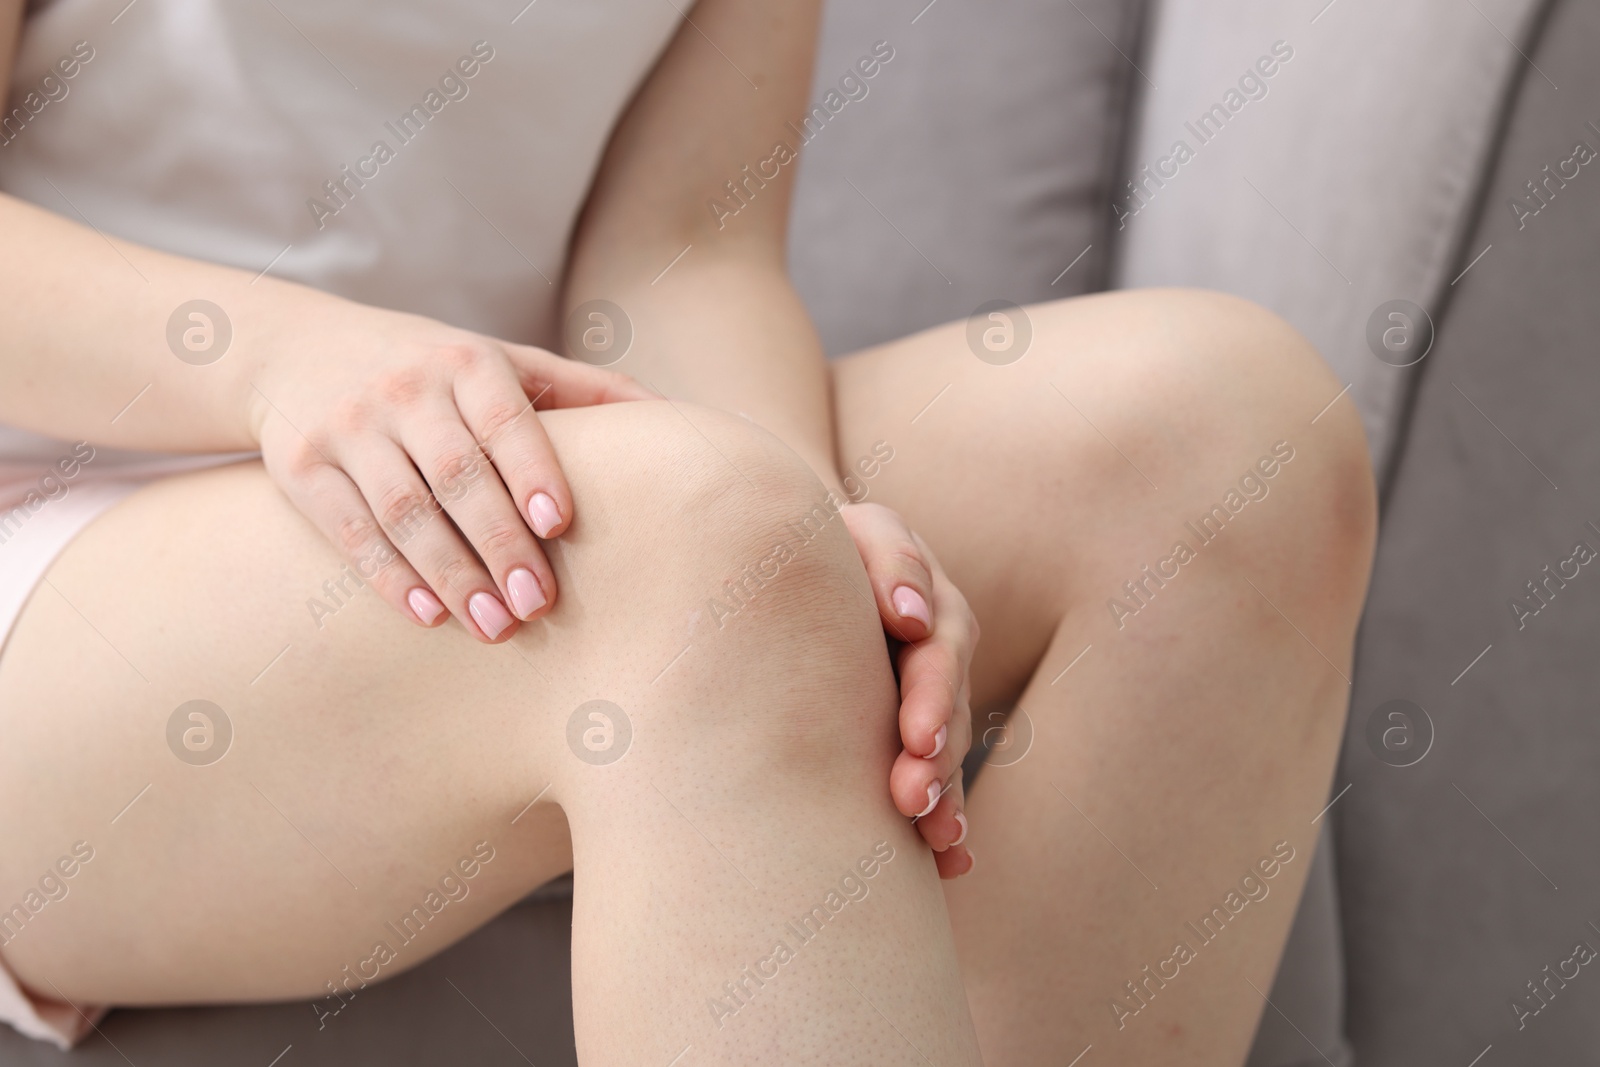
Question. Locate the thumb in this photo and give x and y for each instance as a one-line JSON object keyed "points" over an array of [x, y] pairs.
{"points": [[902, 581]]}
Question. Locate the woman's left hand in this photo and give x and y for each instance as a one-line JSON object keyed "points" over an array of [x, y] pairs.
{"points": [[933, 634]]}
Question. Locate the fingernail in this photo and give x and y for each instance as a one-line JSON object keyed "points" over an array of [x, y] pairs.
{"points": [[526, 596], [938, 742], [933, 799], [424, 605], [489, 614], [972, 860], [962, 819], [910, 605], [544, 514]]}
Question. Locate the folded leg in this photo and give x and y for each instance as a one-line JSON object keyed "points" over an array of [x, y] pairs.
{"points": [[1166, 540], [357, 793]]}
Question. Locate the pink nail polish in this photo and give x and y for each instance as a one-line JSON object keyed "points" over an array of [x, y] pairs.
{"points": [[489, 614], [962, 820], [910, 605], [938, 742], [972, 860], [526, 596], [424, 605], [544, 514], [933, 799]]}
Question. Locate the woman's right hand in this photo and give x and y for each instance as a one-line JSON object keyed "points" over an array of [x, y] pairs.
{"points": [[415, 448]]}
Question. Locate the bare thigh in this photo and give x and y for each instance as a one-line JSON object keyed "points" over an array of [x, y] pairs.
{"points": [[371, 763]]}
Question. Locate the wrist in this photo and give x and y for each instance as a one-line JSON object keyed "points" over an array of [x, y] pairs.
{"points": [[277, 322]]}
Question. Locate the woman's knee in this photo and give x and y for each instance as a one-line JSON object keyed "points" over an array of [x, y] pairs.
{"points": [[706, 590], [713, 518], [757, 650], [1265, 415], [1196, 407]]}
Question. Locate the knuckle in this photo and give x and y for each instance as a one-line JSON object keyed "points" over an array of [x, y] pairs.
{"points": [[500, 537], [377, 562], [464, 355], [354, 534], [953, 606], [350, 414], [944, 666], [501, 416], [403, 386], [404, 509], [381, 565], [455, 470], [904, 558], [454, 571], [302, 460]]}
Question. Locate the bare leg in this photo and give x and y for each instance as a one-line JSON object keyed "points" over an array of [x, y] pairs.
{"points": [[373, 764], [1199, 727]]}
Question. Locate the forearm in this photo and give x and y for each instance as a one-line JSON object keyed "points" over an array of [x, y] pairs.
{"points": [[715, 319], [87, 352], [730, 332]]}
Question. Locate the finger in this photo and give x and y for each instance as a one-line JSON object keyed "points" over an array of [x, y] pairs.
{"points": [[497, 413], [902, 583], [477, 501], [930, 685], [419, 528], [915, 781], [946, 824], [950, 603], [955, 862], [933, 675], [333, 503], [935, 713], [554, 381]]}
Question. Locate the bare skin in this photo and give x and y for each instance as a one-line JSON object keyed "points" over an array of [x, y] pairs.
{"points": [[1179, 749], [1194, 739], [1181, 746], [395, 750]]}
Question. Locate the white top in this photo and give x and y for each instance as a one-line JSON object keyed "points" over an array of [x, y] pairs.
{"points": [[425, 156], [204, 128], [461, 138]]}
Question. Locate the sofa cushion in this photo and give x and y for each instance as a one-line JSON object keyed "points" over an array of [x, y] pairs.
{"points": [[975, 168], [1339, 181], [1450, 868]]}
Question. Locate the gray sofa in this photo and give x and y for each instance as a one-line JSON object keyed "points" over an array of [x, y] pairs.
{"points": [[1380, 162]]}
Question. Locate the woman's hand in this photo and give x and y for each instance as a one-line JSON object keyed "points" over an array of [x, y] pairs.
{"points": [[414, 447], [933, 634]]}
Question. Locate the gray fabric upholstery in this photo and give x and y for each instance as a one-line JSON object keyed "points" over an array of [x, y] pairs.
{"points": [[1345, 186], [979, 160], [1447, 909]]}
